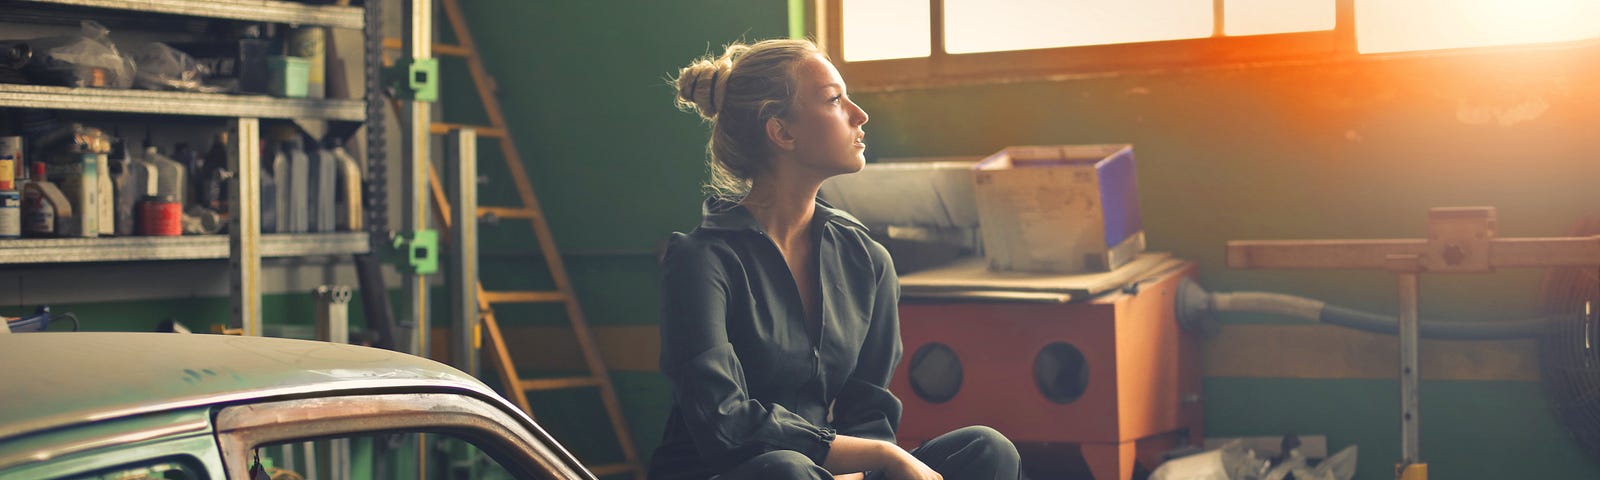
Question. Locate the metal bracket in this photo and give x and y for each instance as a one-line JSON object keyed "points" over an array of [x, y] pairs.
{"points": [[415, 79], [417, 252]]}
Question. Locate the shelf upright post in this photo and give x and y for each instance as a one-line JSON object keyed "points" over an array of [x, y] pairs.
{"points": [[418, 111], [421, 244], [244, 227]]}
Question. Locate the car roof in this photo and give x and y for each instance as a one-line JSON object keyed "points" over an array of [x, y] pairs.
{"points": [[57, 379]]}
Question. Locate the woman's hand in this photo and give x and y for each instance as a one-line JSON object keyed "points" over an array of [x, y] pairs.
{"points": [[903, 466], [851, 476]]}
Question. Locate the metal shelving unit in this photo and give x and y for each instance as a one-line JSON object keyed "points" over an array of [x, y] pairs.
{"points": [[249, 10], [245, 245], [178, 103], [193, 247]]}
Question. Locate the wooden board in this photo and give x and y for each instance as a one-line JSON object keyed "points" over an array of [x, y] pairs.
{"points": [[973, 275]]}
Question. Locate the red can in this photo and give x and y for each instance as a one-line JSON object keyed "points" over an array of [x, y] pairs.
{"points": [[161, 216]]}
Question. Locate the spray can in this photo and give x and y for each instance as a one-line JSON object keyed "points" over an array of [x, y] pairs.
{"points": [[10, 214]]}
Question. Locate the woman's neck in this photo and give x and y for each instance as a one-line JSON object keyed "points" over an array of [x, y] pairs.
{"points": [[784, 209]]}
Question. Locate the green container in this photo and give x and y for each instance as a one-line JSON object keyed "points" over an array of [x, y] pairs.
{"points": [[289, 76]]}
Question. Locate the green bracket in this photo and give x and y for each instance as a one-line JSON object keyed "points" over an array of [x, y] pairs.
{"points": [[416, 79], [417, 253]]}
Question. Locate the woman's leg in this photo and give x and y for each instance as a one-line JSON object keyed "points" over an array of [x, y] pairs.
{"points": [[971, 453], [777, 465]]}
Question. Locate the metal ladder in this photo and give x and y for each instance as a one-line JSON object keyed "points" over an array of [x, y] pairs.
{"points": [[515, 386]]}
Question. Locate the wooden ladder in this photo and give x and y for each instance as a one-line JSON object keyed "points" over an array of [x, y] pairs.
{"points": [[514, 385]]}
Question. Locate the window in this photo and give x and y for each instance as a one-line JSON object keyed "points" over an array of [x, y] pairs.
{"points": [[898, 42], [423, 435], [382, 456]]}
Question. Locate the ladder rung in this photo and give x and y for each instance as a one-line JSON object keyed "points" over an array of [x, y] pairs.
{"points": [[439, 48], [440, 128], [612, 469], [508, 212], [559, 383], [524, 297]]}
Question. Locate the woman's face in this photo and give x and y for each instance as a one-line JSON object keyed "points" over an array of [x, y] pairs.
{"points": [[825, 123]]}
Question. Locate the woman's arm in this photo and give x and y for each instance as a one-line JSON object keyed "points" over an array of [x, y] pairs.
{"points": [[865, 407], [852, 454]]}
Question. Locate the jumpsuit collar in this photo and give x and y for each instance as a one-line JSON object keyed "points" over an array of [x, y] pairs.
{"points": [[727, 214]]}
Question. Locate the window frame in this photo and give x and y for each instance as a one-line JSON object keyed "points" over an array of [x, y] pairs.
{"points": [[940, 68], [515, 445]]}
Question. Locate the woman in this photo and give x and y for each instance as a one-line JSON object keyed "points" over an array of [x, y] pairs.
{"points": [[779, 328]]}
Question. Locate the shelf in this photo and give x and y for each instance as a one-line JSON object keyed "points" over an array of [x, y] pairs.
{"points": [[248, 10], [178, 103], [193, 247]]}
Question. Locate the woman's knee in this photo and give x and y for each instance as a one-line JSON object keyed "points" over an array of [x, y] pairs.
{"points": [[989, 441], [785, 464]]}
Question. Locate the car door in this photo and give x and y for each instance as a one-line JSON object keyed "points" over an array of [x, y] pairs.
{"points": [[459, 436], [176, 445]]}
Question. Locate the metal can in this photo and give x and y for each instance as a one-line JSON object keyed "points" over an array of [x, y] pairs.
{"points": [[10, 214], [11, 165], [161, 216]]}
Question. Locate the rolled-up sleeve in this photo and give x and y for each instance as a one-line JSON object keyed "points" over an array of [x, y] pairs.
{"points": [[864, 407], [708, 383]]}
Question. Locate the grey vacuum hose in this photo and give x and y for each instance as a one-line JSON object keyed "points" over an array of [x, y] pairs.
{"points": [[1197, 309]]}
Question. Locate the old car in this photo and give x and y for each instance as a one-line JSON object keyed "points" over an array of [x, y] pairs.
{"points": [[177, 406]]}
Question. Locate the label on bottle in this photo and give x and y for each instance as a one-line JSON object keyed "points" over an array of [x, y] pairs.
{"points": [[10, 214]]}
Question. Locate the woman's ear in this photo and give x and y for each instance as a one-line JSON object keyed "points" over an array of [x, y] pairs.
{"points": [[778, 134]]}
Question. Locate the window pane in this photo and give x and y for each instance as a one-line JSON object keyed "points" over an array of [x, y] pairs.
{"points": [[885, 29], [1404, 25], [385, 456], [1259, 17], [973, 26]]}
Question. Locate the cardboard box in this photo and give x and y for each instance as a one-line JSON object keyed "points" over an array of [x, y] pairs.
{"points": [[1061, 208]]}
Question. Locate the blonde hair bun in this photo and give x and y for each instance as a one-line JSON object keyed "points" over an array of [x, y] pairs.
{"points": [[703, 84]]}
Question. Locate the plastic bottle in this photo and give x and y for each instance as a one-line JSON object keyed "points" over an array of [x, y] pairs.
{"points": [[292, 170], [324, 174], [214, 174], [269, 195], [349, 204], [169, 173], [124, 193], [43, 204], [192, 163], [280, 198]]}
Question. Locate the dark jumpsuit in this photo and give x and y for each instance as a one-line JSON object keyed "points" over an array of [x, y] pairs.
{"points": [[753, 382]]}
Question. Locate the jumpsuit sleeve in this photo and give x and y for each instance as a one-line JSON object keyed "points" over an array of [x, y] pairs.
{"points": [[708, 383], [865, 407]]}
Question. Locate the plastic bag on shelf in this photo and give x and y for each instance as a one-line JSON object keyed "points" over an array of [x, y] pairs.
{"points": [[161, 67], [85, 59]]}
